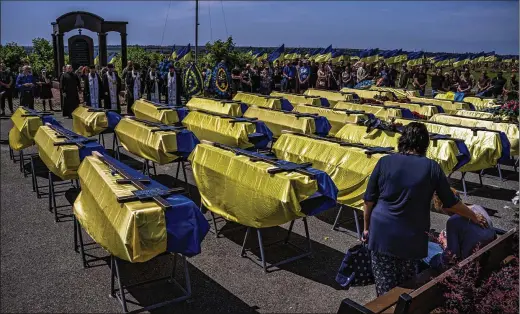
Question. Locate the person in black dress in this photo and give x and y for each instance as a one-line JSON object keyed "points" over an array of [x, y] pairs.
{"points": [[111, 89], [314, 74], [45, 83]]}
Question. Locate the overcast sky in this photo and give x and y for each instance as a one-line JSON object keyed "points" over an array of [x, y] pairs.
{"points": [[450, 26]]}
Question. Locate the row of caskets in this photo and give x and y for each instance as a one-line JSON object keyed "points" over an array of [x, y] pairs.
{"points": [[320, 155]]}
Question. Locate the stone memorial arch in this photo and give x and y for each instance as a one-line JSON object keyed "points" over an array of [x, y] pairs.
{"points": [[81, 47]]}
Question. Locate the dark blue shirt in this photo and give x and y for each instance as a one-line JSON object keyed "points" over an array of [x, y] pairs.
{"points": [[23, 79], [402, 187], [290, 71]]}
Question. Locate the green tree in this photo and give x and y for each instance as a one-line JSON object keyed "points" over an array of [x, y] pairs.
{"points": [[41, 56], [12, 55], [225, 50]]}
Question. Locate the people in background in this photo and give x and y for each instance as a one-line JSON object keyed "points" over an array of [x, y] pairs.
{"points": [[392, 75], [173, 83], [462, 236], [397, 208], [419, 80], [45, 83], [304, 75], [446, 82], [133, 86], [25, 83], [265, 81], [6, 89], [245, 79], [288, 78], [483, 84], [235, 80], [93, 88], [111, 89], [321, 83], [70, 86], [277, 76], [497, 85], [347, 78], [255, 79], [384, 79], [153, 83], [314, 74], [512, 92], [437, 81], [404, 77]]}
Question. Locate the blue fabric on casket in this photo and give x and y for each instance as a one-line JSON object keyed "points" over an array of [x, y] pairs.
{"points": [[286, 105], [182, 113], [506, 148], [87, 148], [324, 102], [113, 119], [185, 225], [261, 128], [186, 142], [322, 125], [464, 155]]}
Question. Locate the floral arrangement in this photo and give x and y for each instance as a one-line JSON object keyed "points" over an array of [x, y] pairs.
{"points": [[419, 116], [376, 123], [507, 111]]}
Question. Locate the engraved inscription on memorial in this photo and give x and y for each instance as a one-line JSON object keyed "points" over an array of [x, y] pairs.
{"points": [[80, 51]]}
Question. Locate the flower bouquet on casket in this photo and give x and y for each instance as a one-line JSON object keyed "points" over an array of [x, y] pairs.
{"points": [[375, 123], [506, 112]]}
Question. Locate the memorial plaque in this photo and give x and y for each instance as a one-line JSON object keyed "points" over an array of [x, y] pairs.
{"points": [[81, 51]]}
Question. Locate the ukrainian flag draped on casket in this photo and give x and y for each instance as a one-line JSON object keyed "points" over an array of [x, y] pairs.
{"points": [[509, 129], [220, 106], [349, 167], [135, 231], [277, 121], [150, 142], [450, 153], [88, 122], [331, 96], [380, 111], [448, 105], [483, 115], [369, 94], [422, 109], [297, 99], [481, 103], [25, 124], [241, 190], [228, 130], [156, 112], [192, 81], [270, 102], [63, 160], [400, 93], [336, 117], [485, 147]]}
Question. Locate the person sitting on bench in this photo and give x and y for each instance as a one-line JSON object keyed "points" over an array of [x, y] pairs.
{"points": [[462, 235]]}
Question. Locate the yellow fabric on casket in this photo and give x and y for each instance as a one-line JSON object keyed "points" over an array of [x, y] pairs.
{"points": [[87, 123], [348, 167], [445, 96], [448, 105], [132, 231], [482, 115], [219, 130], [379, 111], [138, 138], [444, 152], [242, 191], [64, 160], [277, 121], [485, 148], [481, 103], [337, 119], [425, 110], [368, 94], [297, 100], [215, 105], [259, 100], [331, 96], [147, 111], [24, 129], [509, 129], [398, 92]]}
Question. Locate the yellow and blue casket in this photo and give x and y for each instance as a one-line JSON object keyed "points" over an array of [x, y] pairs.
{"points": [[25, 124], [299, 99], [379, 111], [229, 107], [449, 153], [264, 101], [336, 117], [278, 120], [481, 103], [87, 121], [157, 112], [509, 129], [425, 110], [448, 106], [348, 166], [135, 231], [332, 97], [483, 115], [260, 192], [486, 147], [228, 130], [62, 150], [369, 94], [399, 93], [156, 142]]}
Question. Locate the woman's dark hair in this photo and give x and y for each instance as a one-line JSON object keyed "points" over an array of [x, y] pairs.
{"points": [[415, 138]]}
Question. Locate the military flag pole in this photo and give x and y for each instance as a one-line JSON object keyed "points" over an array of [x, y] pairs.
{"points": [[196, 29]]}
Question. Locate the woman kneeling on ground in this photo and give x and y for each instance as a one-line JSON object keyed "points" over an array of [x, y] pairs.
{"points": [[397, 208]]}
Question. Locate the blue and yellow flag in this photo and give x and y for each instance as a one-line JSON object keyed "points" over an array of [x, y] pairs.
{"points": [[96, 59], [185, 54], [324, 55], [490, 57], [192, 81], [113, 58], [369, 55], [415, 58], [173, 56], [337, 57], [277, 55], [461, 60]]}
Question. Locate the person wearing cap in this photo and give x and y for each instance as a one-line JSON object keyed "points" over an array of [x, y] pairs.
{"points": [[153, 84], [173, 86], [93, 90], [45, 89], [111, 89], [25, 84], [133, 87]]}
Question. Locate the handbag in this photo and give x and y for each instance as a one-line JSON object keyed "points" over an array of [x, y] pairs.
{"points": [[356, 268]]}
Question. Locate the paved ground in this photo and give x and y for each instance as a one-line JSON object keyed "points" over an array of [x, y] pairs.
{"points": [[40, 272]]}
